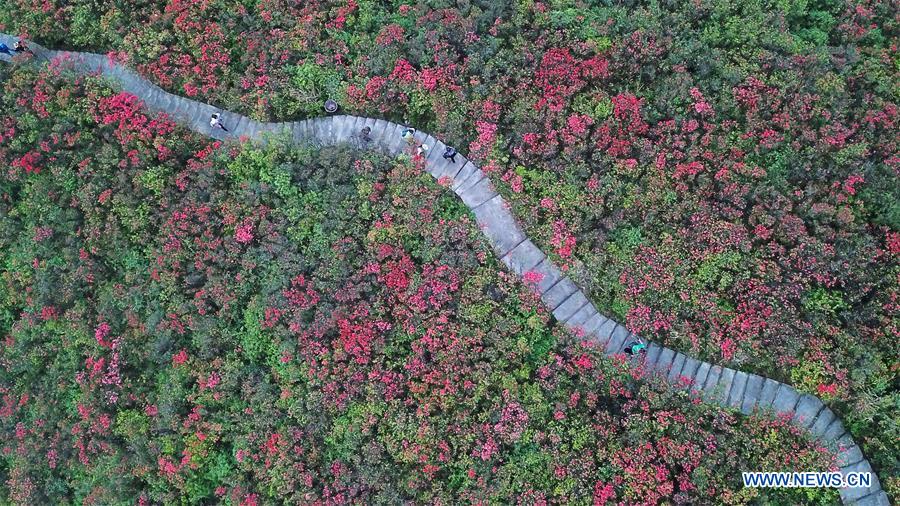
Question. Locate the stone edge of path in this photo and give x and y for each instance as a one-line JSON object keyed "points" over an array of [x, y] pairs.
{"points": [[568, 303]]}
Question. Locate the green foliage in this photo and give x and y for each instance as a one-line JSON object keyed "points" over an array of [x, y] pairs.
{"points": [[821, 300], [806, 376], [349, 432], [311, 85], [717, 271], [623, 241], [599, 110], [84, 30], [256, 343], [131, 425], [154, 179]]}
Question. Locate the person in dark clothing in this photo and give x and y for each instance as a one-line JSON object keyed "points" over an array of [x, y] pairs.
{"points": [[635, 348], [364, 134], [6, 50], [450, 154], [21, 47]]}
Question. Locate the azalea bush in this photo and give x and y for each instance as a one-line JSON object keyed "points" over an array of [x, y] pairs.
{"points": [[188, 322]]}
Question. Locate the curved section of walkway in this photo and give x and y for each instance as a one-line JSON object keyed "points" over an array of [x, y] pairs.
{"points": [[569, 305]]}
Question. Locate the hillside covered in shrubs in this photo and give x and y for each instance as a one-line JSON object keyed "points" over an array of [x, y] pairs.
{"points": [[189, 322], [720, 176]]}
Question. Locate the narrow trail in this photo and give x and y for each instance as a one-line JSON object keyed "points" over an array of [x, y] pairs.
{"points": [[570, 306]]}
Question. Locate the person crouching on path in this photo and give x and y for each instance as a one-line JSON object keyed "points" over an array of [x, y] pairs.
{"points": [[215, 122], [635, 348]]}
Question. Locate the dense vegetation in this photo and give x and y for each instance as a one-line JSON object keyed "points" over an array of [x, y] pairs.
{"points": [[721, 175], [185, 322]]}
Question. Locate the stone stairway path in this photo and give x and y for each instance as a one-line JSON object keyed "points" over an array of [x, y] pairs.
{"points": [[570, 306]]}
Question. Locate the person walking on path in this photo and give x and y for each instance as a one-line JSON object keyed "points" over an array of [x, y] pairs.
{"points": [[450, 154], [409, 136], [215, 122], [364, 135], [422, 150], [6, 50]]}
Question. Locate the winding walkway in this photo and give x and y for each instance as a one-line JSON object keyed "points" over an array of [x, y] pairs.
{"points": [[569, 305]]}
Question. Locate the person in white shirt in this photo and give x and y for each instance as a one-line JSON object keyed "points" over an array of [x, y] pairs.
{"points": [[215, 122]]}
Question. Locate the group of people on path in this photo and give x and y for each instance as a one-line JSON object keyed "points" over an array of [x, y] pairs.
{"points": [[18, 48], [635, 348], [408, 134]]}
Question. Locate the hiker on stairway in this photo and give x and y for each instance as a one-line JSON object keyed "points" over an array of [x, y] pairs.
{"points": [[215, 122], [20, 47], [6, 50], [409, 136], [635, 348], [364, 134], [450, 154]]}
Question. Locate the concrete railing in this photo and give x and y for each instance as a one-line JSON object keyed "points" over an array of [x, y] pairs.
{"points": [[570, 306]]}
